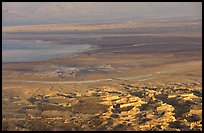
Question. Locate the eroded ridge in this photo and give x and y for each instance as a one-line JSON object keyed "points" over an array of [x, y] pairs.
{"points": [[176, 107]]}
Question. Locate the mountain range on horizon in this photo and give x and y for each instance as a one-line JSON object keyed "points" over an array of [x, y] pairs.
{"points": [[34, 13]]}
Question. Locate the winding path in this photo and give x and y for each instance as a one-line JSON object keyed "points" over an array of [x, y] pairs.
{"points": [[82, 82]]}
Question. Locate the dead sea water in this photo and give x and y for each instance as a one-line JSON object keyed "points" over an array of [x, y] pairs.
{"points": [[25, 51]]}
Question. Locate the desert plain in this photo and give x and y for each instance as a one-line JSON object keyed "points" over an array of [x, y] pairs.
{"points": [[141, 76]]}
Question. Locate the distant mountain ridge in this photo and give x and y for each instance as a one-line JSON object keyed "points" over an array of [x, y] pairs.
{"points": [[34, 13]]}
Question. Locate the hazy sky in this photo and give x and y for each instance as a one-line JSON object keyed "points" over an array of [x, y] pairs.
{"points": [[26, 13]]}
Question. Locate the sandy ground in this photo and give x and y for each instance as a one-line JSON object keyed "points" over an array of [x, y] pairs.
{"points": [[124, 83]]}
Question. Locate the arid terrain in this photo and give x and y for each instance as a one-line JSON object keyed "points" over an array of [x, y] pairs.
{"points": [[136, 76]]}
